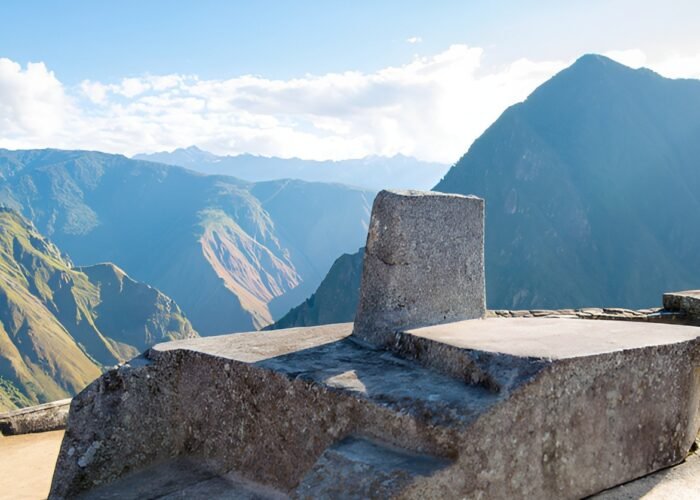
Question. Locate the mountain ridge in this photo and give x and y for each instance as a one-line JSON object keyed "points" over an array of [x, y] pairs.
{"points": [[370, 172], [609, 145]]}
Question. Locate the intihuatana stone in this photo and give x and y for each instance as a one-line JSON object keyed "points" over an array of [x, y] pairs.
{"points": [[423, 265]]}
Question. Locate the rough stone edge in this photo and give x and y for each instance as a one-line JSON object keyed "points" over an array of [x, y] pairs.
{"points": [[495, 371], [88, 455], [40, 418], [560, 375], [651, 315], [687, 303]]}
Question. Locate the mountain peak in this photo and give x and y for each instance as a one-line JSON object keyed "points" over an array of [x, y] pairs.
{"points": [[596, 76], [592, 58], [195, 153], [194, 150], [593, 65], [598, 142]]}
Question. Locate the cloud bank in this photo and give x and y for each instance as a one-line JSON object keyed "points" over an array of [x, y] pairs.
{"points": [[431, 108]]}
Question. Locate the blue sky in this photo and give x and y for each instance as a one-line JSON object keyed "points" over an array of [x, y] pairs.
{"points": [[280, 39], [317, 79]]}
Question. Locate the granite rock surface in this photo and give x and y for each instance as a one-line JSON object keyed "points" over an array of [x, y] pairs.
{"points": [[519, 407], [423, 264], [40, 418]]}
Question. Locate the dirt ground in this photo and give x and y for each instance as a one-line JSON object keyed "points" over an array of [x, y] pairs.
{"points": [[26, 464], [681, 482]]}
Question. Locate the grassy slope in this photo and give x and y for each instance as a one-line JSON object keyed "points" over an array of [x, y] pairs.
{"points": [[59, 326]]}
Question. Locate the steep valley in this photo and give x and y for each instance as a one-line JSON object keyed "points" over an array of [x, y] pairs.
{"points": [[233, 254]]}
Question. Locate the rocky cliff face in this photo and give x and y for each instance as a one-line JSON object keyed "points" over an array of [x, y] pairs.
{"points": [[59, 326]]}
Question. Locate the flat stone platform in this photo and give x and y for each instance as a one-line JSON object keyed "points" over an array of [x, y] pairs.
{"points": [[493, 408], [553, 338]]}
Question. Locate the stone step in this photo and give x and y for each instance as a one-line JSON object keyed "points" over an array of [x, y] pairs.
{"points": [[387, 380], [181, 478], [355, 467], [361, 468]]}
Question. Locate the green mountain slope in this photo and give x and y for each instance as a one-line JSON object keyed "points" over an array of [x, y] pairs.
{"points": [[592, 189], [59, 326], [233, 254]]}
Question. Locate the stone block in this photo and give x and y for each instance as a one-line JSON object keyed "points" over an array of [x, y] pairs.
{"points": [[423, 265], [687, 302], [495, 408], [40, 418]]}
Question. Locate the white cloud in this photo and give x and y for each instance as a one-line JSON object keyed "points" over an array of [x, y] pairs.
{"points": [[95, 91], [634, 58], [414, 39], [431, 108], [679, 66], [32, 102]]}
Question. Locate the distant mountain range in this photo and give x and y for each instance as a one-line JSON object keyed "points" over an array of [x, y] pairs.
{"points": [[233, 254], [373, 172], [592, 189], [60, 325]]}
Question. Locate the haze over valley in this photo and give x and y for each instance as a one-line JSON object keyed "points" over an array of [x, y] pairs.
{"points": [[373, 172]]}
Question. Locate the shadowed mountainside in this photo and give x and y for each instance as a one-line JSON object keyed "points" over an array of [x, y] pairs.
{"points": [[59, 325], [592, 189], [335, 301]]}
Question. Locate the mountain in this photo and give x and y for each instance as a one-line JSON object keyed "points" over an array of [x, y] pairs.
{"points": [[592, 189], [335, 301], [233, 254], [373, 172], [60, 325]]}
